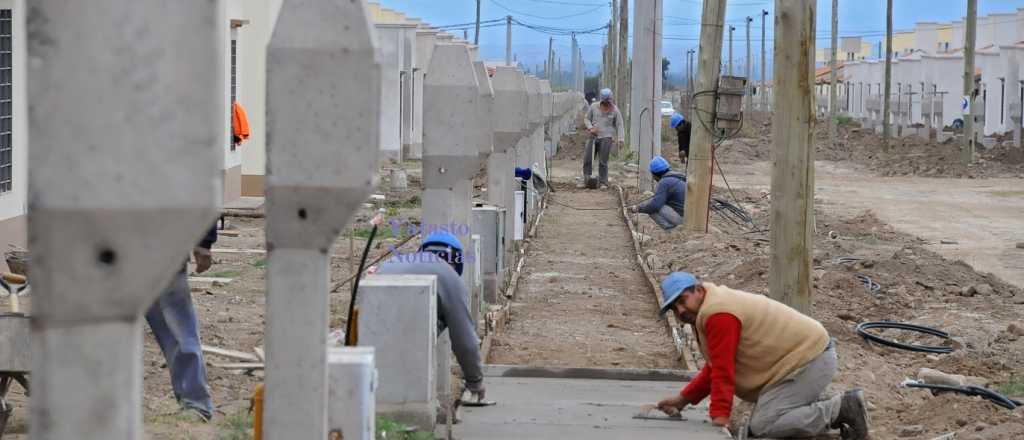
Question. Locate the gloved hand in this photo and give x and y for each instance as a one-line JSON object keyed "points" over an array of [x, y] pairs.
{"points": [[477, 390], [672, 405], [204, 259]]}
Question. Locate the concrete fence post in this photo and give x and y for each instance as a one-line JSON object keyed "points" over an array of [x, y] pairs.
{"points": [[351, 405], [133, 161], [510, 122], [321, 161]]}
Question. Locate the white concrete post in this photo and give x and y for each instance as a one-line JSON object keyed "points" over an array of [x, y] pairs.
{"points": [[645, 123], [535, 158], [451, 152], [409, 65], [547, 128], [321, 161], [400, 323], [352, 390], [510, 123], [127, 182]]}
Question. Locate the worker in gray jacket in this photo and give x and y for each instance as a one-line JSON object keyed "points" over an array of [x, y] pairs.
{"points": [[441, 254], [605, 124], [666, 206]]}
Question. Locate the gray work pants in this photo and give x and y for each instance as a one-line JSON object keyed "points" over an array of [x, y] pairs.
{"points": [[667, 218], [792, 407], [604, 148]]}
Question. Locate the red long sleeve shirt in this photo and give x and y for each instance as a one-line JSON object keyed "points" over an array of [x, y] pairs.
{"points": [[718, 377]]}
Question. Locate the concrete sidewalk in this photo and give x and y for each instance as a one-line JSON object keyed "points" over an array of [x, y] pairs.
{"points": [[536, 408]]}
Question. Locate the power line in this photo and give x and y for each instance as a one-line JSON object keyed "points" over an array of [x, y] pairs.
{"points": [[546, 18]]}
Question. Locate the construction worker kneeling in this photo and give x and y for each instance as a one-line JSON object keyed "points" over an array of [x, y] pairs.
{"points": [[666, 206], [765, 352], [441, 255]]}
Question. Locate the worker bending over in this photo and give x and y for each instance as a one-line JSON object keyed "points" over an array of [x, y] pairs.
{"points": [[441, 254], [682, 128], [666, 207], [605, 124], [764, 352]]}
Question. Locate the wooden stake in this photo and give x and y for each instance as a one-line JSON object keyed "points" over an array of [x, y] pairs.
{"points": [[793, 148], [886, 124], [832, 101], [967, 153]]}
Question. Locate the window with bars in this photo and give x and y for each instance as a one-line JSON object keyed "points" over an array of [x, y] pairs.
{"points": [[234, 90], [6, 114]]}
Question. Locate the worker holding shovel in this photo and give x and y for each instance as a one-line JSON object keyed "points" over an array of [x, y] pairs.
{"points": [[604, 122], [761, 351]]}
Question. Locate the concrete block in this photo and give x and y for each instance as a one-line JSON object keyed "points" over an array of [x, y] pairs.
{"points": [[477, 292], [352, 387], [443, 379], [489, 221], [134, 161], [878, 128], [943, 136], [987, 142], [519, 222], [400, 321]]}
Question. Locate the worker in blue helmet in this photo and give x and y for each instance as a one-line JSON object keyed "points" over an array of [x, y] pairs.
{"points": [[763, 352], [604, 122], [682, 128], [666, 206], [441, 254]]}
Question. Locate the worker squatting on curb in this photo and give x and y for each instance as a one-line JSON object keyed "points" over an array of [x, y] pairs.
{"points": [[666, 207], [441, 255], [604, 122], [764, 352]]}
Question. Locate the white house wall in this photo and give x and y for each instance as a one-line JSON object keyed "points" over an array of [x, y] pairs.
{"points": [[252, 82], [13, 203]]}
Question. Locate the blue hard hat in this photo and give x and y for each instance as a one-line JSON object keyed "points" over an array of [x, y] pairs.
{"points": [[673, 286], [451, 245], [659, 165], [443, 238], [606, 93], [676, 120]]}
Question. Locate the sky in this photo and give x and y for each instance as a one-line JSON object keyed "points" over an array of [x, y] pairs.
{"points": [[681, 18]]}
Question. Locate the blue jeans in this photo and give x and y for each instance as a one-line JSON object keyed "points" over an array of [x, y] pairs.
{"points": [[667, 218], [173, 321]]}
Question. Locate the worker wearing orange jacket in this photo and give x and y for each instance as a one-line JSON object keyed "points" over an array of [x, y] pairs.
{"points": [[761, 351]]}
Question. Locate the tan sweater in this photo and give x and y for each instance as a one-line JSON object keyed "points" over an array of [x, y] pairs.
{"points": [[775, 340]]}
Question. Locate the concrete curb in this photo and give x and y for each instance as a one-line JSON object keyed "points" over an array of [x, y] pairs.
{"points": [[640, 374]]}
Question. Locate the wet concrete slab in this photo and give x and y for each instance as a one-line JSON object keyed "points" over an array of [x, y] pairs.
{"points": [[543, 408]]}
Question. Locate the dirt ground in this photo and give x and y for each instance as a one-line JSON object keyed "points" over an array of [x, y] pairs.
{"points": [[910, 156], [917, 285], [582, 300]]}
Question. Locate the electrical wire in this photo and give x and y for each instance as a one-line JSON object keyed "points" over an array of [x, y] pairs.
{"points": [[970, 390], [862, 330], [870, 284], [539, 17]]}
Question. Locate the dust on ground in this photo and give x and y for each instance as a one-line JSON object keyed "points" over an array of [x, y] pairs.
{"points": [[917, 285], [582, 300], [908, 156]]}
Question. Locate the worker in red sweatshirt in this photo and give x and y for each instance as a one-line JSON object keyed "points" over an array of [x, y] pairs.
{"points": [[763, 352]]}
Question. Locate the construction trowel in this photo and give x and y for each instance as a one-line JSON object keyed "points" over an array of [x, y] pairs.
{"points": [[651, 412]]}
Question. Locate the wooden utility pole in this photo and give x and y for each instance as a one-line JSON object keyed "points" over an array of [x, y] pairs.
{"points": [[750, 82], [476, 36], [792, 209], [970, 37], [832, 95], [731, 29], [699, 165], [622, 86], [508, 40], [613, 50], [886, 122], [764, 56], [551, 59]]}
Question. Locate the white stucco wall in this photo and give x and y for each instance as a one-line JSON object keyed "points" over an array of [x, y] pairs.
{"points": [[13, 203]]}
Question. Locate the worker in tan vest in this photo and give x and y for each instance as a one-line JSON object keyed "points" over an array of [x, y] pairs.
{"points": [[764, 352]]}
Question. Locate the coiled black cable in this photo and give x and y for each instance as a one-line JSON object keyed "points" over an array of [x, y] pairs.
{"points": [[862, 330], [870, 284]]}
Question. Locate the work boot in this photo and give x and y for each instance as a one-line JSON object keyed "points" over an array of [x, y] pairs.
{"points": [[852, 420]]}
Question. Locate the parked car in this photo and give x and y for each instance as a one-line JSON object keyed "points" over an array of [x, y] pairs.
{"points": [[667, 110]]}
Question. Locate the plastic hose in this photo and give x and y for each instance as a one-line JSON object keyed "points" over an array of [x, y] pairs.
{"points": [[862, 330], [969, 390]]}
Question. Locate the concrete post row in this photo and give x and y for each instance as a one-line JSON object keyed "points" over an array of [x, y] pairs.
{"points": [[425, 39], [321, 63], [112, 223]]}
